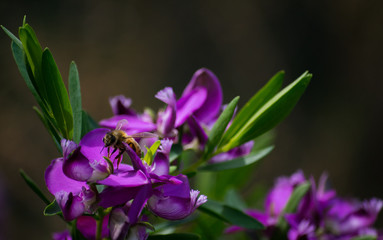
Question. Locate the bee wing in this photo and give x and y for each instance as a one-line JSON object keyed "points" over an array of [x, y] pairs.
{"points": [[121, 123], [144, 135]]}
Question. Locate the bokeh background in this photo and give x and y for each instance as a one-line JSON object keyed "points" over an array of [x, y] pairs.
{"points": [[136, 48]]}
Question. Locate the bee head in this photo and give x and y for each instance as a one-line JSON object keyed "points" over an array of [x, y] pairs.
{"points": [[109, 139]]}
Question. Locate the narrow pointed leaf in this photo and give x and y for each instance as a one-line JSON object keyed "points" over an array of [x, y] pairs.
{"points": [[270, 114], [51, 130], [238, 162], [254, 104], [88, 123], [295, 198], [34, 54], [175, 236], [52, 209], [219, 127], [233, 199], [230, 215], [175, 152], [149, 156], [13, 37], [34, 187], [75, 101], [18, 55], [57, 96]]}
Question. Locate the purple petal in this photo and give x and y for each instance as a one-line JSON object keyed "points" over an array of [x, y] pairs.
{"points": [[206, 79], [71, 205], [57, 181], [167, 96], [136, 160], [197, 130], [68, 147], [125, 179], [92, 145], [175, 202], [77, 167], [239, 151], [160, 164], [87, 226], [135, 124], [115, 196], [121, 105], [189, 103], [65, 235]]}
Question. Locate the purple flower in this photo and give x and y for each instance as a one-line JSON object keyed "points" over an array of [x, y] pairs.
{"points": [[304, 230], [121, 105], [68, 192], [87, 226], [123, 220], [174, 202], [205, 79], [65, 235], [351, 217]]}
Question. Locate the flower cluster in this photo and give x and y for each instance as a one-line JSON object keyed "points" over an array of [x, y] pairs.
{"points": [[107, 197], [319, 215]]}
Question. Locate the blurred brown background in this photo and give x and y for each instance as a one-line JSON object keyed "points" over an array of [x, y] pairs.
{"points": [[138, 47]]}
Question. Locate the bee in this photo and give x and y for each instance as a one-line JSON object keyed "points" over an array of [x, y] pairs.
{"points": [[116, 139]]}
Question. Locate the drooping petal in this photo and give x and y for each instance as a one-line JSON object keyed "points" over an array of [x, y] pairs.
{"points": [[174, 202], [204, 78], [121, 105], [72, 206], [87, 226], [135, 124], [189, 103]]}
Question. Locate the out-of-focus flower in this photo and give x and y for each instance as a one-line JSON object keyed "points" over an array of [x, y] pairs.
{"points": [[320, 214], [65, 235]]}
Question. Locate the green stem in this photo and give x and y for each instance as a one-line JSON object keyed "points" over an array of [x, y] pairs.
{"points": [[99, 227]]}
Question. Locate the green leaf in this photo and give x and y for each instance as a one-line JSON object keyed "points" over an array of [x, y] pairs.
{"points": [[34, 53], [364, 238], [149, 157], [51, 130], [254, 104], [233, 199], [57, 96], [219, 127], [295, 198], [238, 162], [13, 37], [75, 101], [175, 236], [52, 209], [34, 187], [230, 215], [88, 123], [269, 115], [18, 55], [175, 152]]}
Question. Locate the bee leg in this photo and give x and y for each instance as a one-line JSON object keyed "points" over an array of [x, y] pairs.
{"points": [[115, 149], [119, 158]]}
